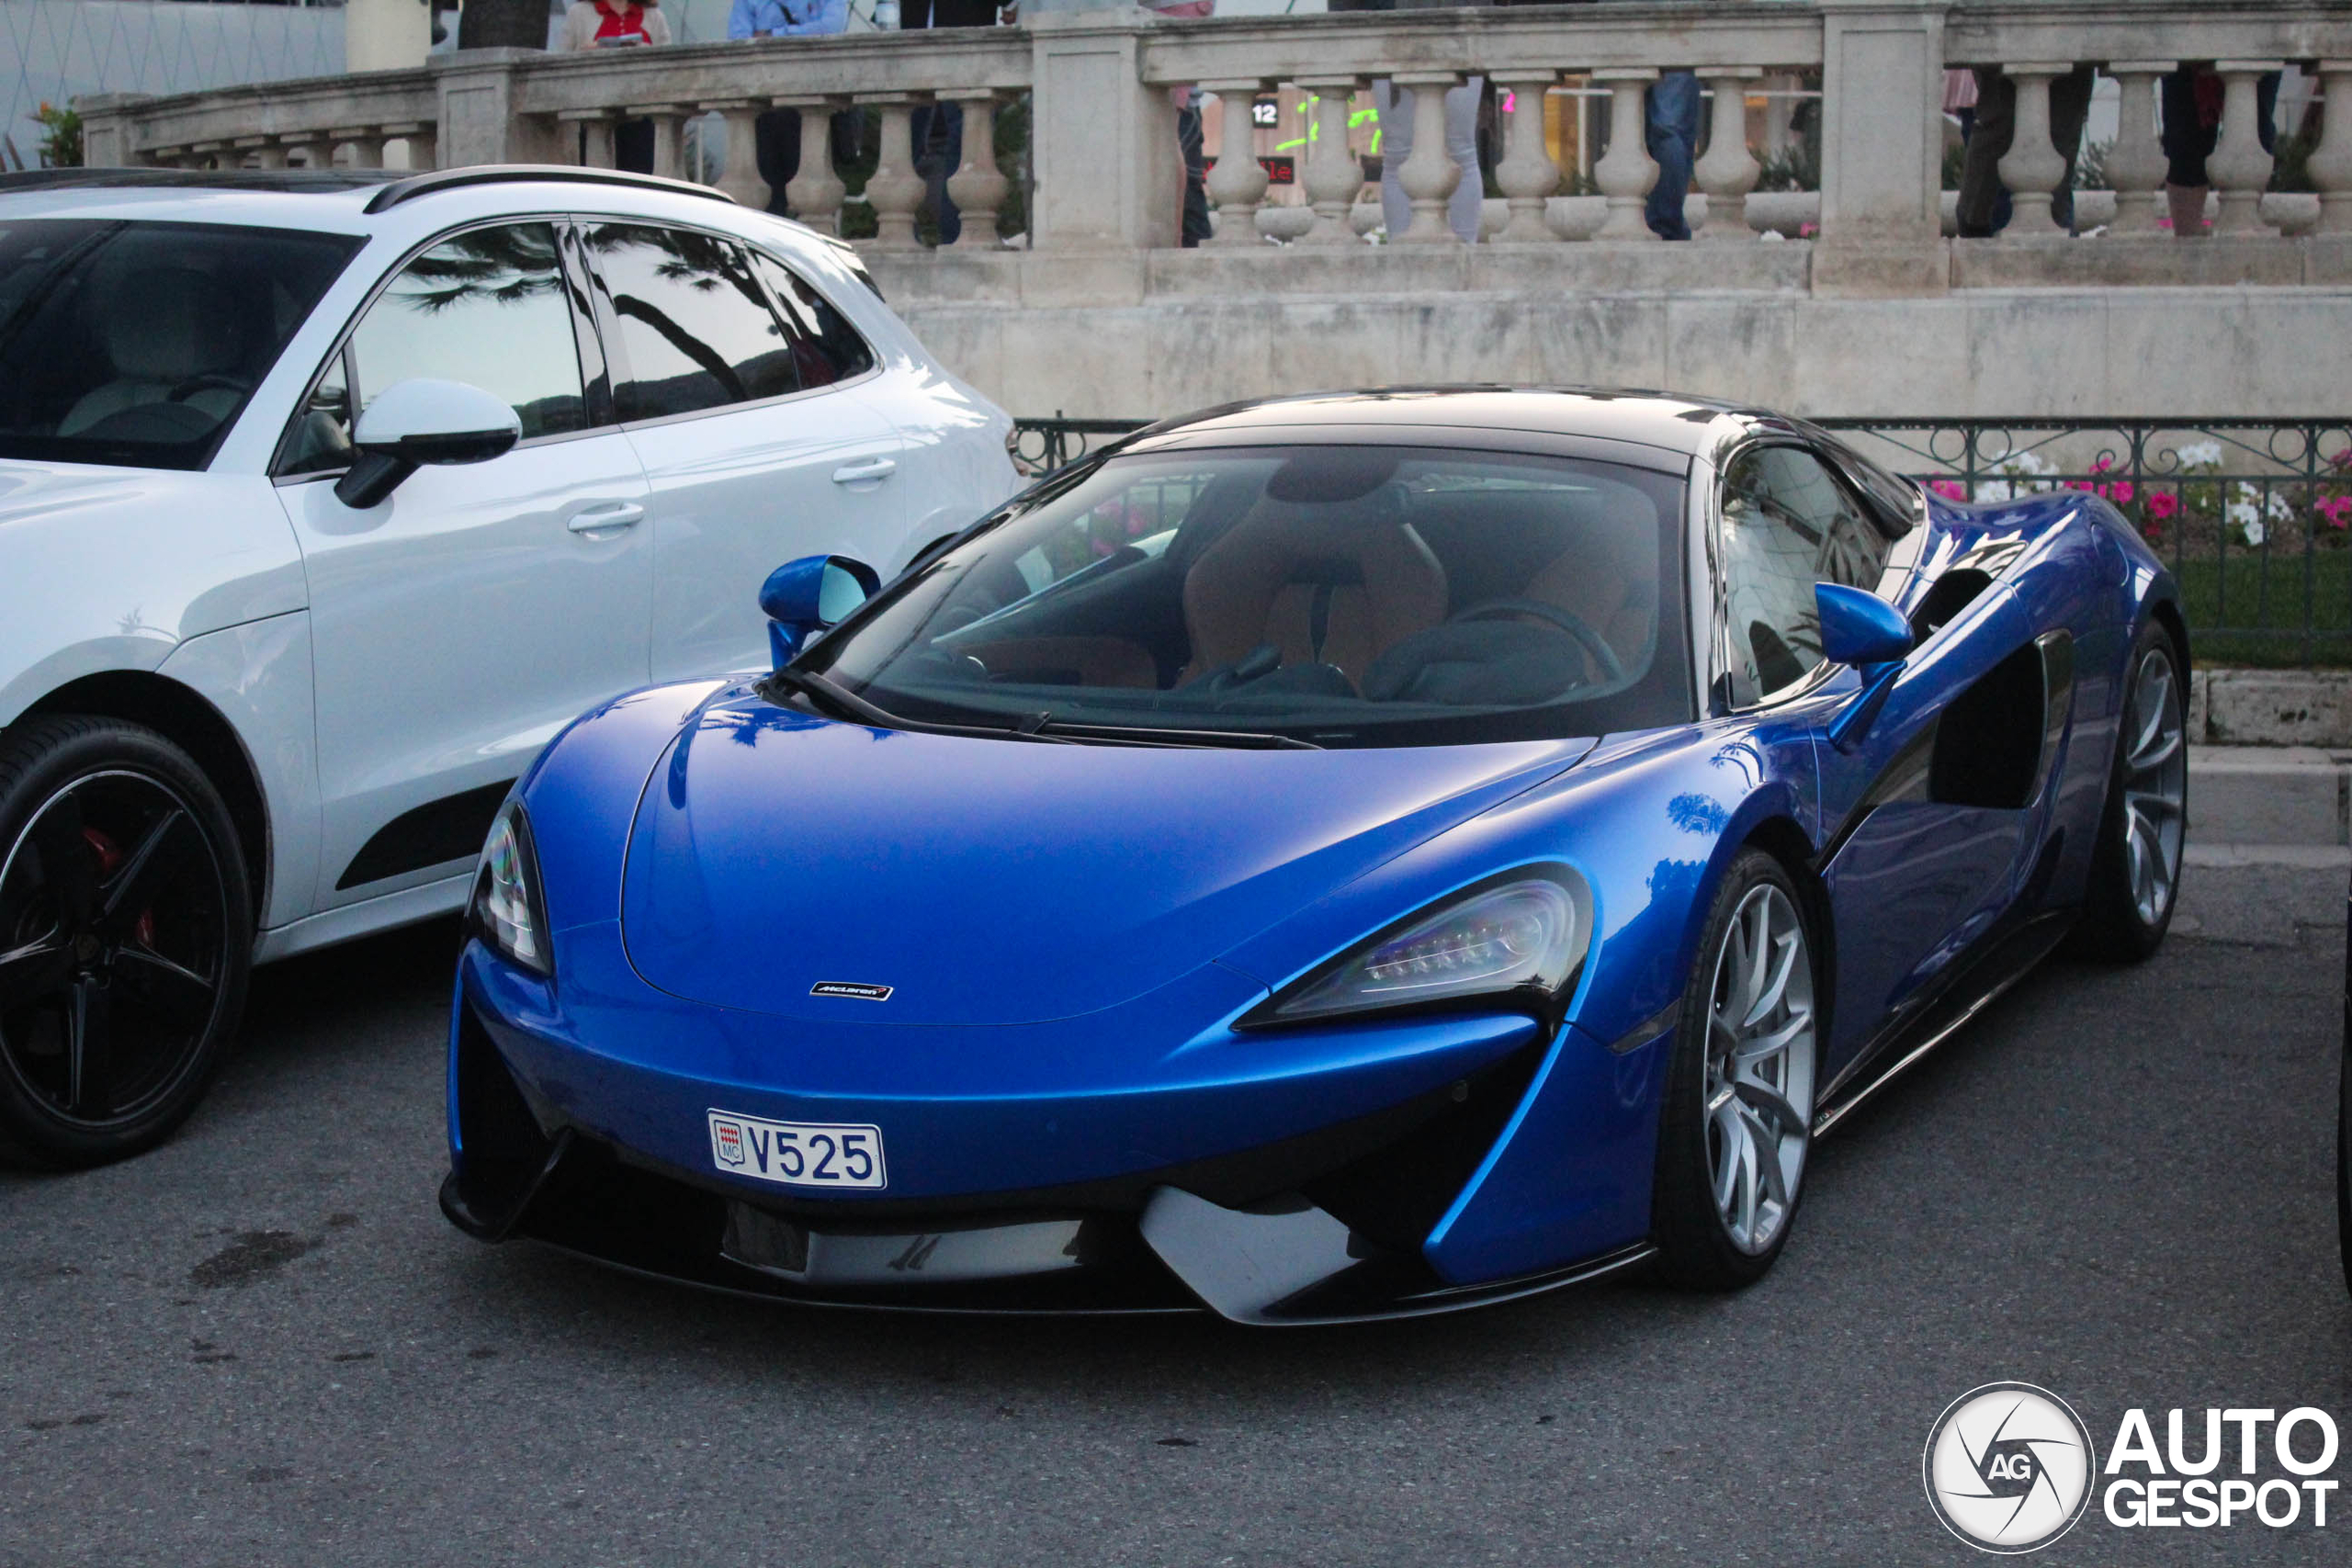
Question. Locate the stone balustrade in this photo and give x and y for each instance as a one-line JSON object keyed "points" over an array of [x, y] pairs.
{"points": [[1107, 172]]}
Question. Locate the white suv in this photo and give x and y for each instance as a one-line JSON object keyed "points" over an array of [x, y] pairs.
{"points": [[267, 668]]}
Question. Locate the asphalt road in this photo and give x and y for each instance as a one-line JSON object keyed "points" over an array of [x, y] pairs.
{"points": [[262, 1345]]}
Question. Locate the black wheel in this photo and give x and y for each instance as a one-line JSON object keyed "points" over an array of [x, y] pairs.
{"points": [[126, 933], [2135, 870], [2344, 1154], [1737, 1123]]}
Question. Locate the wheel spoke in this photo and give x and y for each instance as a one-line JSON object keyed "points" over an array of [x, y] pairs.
{"points": [[171, 987], [1764, 1047], [1762, 1099], [1728, 1162], [69, 867], [89, 1057], [132, 888], [1749, 1176], [34, 971], [2147, 759], [1769, 995], [1767, 1157]]}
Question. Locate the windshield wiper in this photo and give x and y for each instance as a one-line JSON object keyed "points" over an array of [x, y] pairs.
{"points": [[1151, 735], [823, 692]]}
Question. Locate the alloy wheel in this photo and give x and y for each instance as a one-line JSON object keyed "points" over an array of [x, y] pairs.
{"points": [[1761, 1057], [114, 948], [2155, 786]]}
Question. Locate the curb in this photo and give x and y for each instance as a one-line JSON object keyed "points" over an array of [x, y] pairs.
{"points": [[2269, 794], [2271, 707]]}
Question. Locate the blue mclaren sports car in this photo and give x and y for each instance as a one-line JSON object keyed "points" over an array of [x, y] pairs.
{"points": [[1336, 857]]}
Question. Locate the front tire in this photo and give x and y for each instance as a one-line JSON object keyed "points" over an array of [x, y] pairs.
{"points": [[2135, 870], [126, 935], [1739, 1097]]}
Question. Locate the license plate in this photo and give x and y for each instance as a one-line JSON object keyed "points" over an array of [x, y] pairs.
{"points": [[797, 1154]]}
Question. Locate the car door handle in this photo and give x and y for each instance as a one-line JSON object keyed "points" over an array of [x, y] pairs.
{"points": [[615, 514], [870, 468]]}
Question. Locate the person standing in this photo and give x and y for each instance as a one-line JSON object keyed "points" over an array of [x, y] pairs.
{"points": [[939, 128], [1984, 199], [2192, 101], [1395, 123], [777, 133], [1193, 228], [618, 24], [1672, 130]]}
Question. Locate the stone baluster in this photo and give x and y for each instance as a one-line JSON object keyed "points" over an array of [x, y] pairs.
{"points": [[366, 146], [1334, 175], [417, 136], [2239, 167], [167, 158], [741, 177], [1526, 172], [1430, 176], [815, 191], [669, 135], [977, 187], [2136, 161], [211, 155], [1728, 171], [2033, 166], [588, 135], [261, 149], [2331, 160], [1237, 184], [1626, 172], [305, 149], [894, 189]]}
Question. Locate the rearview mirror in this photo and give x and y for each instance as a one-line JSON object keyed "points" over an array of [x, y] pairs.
{"points": [[410, 423], [1867, 632], [804, 597]]}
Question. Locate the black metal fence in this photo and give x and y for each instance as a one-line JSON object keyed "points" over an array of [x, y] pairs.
{"points": [[2255, 516]]}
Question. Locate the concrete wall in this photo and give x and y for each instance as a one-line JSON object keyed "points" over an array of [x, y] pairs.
{"points": [[1066, 340]]}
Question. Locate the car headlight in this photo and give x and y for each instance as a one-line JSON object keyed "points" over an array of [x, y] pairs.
{"points": [[1517, 940], [505, 911]]}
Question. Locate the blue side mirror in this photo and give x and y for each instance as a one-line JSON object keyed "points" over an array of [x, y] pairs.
{"points": [[804, 597], [1867, 632]]}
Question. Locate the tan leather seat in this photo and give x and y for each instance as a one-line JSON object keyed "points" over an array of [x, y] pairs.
{"points": [[1323, 584], [1608, 579]]}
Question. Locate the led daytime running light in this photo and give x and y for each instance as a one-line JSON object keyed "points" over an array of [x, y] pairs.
{"points": [[1526, 933]]}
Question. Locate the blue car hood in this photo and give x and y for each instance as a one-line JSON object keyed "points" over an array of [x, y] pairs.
{"points": [[993, 882]]}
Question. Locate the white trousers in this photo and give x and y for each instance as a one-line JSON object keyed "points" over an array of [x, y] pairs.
{"points": [[1461, 144]]}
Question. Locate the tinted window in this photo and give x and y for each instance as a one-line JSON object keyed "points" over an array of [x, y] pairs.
{"points": [[139, 343], [486, 308], [1788, 524], [825, 348], [695, 330], [1349, 596]]}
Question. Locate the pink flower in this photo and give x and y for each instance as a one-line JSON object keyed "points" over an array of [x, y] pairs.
{"points": [[2336, 509], [2121, 492], [1950, 490], [2162, 504]]}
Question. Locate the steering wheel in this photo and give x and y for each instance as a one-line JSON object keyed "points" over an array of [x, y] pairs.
{"points": [[1604, 658], [210, 382]]}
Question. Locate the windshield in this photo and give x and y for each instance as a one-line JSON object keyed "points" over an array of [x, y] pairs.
{"points": [[1336, 595], [137, 343]]}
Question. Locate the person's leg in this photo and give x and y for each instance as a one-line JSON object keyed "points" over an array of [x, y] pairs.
{"points": [[633, 146], [1672, 131], [1464, 206], [1395, 111], [1980, 179], [2265, 104], [777, 136], [1194, 227], [948, 132], [2070, 105], [2187, 142]]}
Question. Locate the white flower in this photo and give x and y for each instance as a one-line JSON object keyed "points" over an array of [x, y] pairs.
{"points": [[2252, 513], [2203, 455]]}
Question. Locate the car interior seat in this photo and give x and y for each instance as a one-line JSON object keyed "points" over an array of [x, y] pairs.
{"points": [[1301, 586], [174, 338]]}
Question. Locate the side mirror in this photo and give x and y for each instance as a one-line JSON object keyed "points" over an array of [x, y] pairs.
{"points": [[1867, 632], [804, 597], [410, 423]]}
